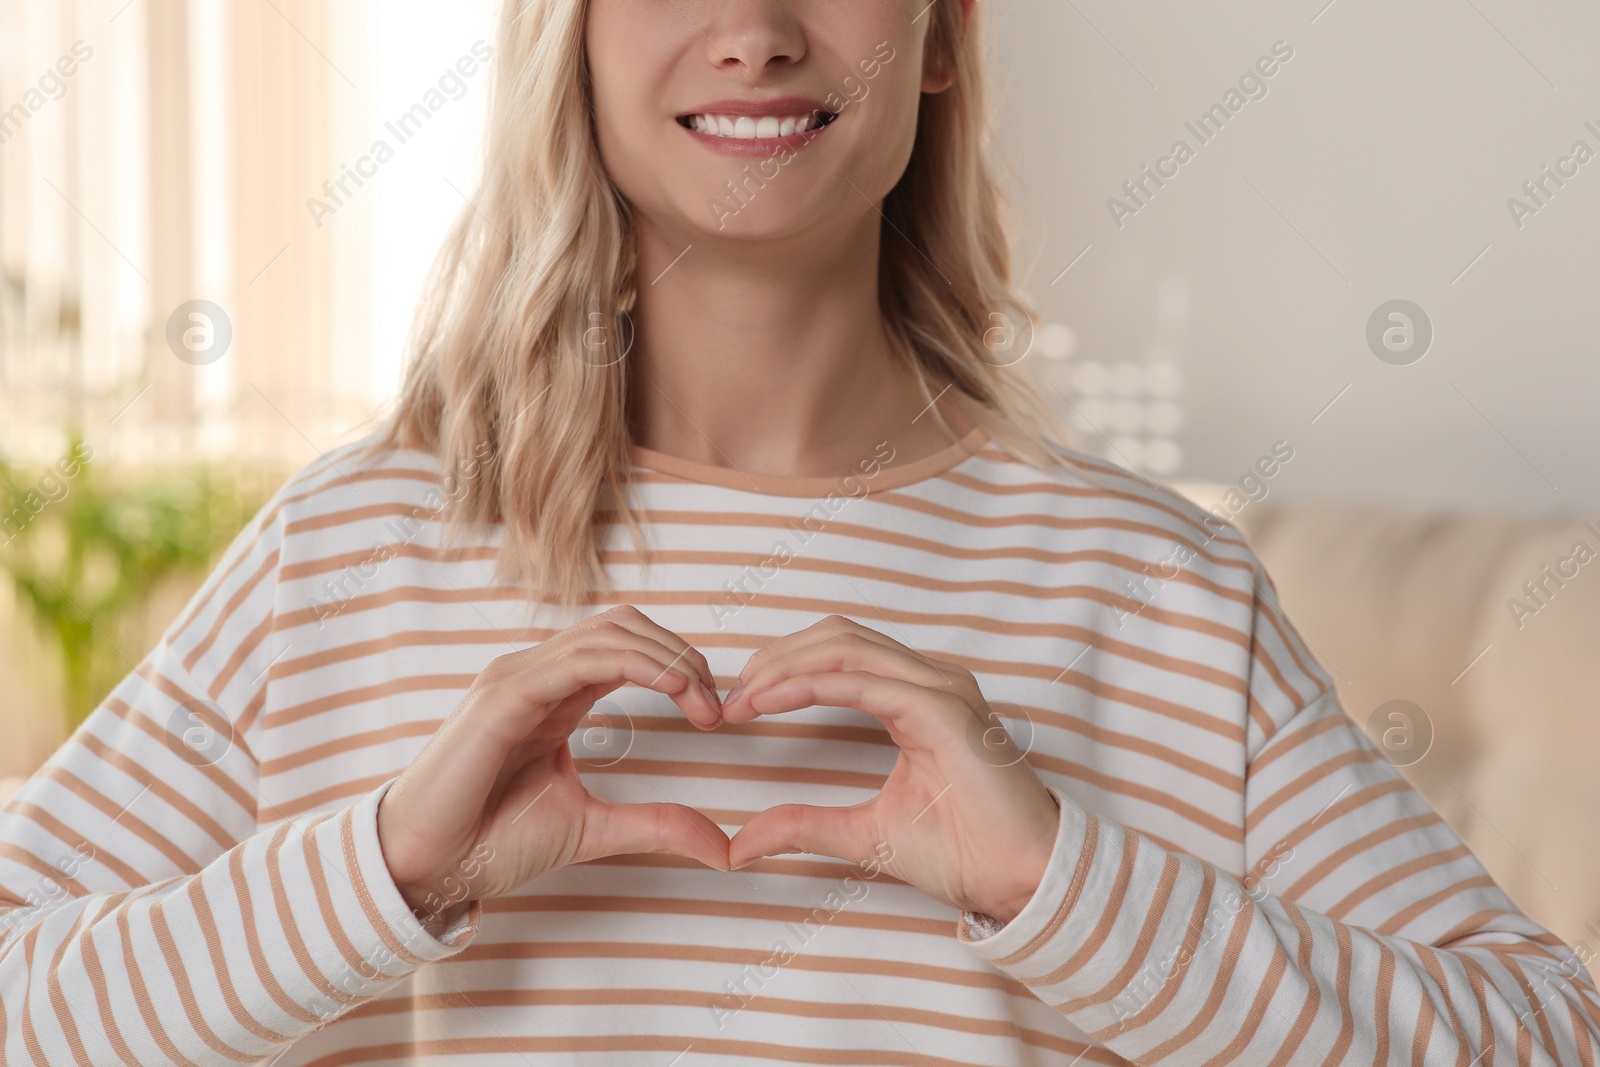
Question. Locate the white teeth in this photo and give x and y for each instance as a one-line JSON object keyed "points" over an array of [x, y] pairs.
{"points": [[749, 127]]}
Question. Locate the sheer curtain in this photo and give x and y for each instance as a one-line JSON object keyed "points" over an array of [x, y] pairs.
{"points": [[154, 153], [157, 152]]}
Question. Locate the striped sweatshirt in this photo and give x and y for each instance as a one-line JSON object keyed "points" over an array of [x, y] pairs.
{"points": [[1239, 876]]}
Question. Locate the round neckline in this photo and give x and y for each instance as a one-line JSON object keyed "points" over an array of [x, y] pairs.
{"points": [[895, 476]]}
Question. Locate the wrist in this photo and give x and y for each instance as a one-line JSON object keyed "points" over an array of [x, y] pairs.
{"points": [[415, 897], [1031, 866], [1009, 906], [402, 873], [429, 900]]}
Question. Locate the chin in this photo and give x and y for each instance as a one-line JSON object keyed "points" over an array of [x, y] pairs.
{"points": [[754, 213]]}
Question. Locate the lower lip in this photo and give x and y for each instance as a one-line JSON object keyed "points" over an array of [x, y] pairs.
{"points": [[763, 147]]}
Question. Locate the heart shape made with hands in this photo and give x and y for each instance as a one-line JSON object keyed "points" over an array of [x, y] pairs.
{"points": [[970, 829]]}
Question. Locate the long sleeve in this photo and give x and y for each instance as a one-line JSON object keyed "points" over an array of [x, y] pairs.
{"points": [[1362, 930], [149, 916]]}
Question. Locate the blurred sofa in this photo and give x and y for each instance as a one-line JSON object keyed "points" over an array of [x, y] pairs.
{"points": [[1490, 624]]}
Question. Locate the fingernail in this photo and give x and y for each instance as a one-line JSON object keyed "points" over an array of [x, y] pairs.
{"points": [[734, 691], [709, 694]]}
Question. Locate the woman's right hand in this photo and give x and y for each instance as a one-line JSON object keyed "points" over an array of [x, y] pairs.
{"points": [[494, 798]]}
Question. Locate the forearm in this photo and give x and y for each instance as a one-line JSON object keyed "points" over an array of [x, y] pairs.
{"points": [[276, 936], [1152, 952]]}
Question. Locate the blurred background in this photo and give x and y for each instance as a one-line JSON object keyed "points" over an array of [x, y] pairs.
{"points": [[1350, 244]]}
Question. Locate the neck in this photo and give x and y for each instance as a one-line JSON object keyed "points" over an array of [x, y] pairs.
{"points": [[771, 356]]}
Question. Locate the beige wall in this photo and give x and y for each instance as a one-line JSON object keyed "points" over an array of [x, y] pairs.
{"points": [[1377, 166]]}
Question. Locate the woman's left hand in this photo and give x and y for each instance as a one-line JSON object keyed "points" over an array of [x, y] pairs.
{"points": [[963, 816]]}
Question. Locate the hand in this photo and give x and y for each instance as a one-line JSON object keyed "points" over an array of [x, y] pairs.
{"points": [[957, 826], [494, 798]]}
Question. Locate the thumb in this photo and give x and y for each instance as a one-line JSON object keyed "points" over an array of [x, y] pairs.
{"points": [[611, 829], [822, 831]]}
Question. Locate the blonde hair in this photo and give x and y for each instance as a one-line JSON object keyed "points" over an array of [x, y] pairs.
{"points": [[543, 257]]}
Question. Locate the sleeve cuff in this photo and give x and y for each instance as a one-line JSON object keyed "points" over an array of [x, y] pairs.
{"points": [[350, 934], [413, 940], [1004, 942]]}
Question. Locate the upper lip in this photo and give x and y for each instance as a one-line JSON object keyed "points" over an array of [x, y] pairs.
{"points": [[783, 105]]}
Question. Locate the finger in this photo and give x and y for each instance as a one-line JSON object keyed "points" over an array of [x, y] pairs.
{"points": [[843, 833], [681, 651], [621, 627], [595, 670], [820, 630], [611, 829], [918, 718], [847, 651], [561, 723], [629, 620]]}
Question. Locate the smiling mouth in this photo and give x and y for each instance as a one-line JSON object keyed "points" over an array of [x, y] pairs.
{"points": [[756, 127]]}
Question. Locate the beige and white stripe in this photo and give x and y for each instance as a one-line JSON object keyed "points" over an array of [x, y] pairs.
{"points": [[1239, 876]]}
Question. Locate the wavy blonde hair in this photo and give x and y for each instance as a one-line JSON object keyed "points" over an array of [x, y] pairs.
{"points": [[501, 346]]}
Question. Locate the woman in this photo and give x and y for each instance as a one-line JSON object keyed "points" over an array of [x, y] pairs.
{"points": [[435, 765]]}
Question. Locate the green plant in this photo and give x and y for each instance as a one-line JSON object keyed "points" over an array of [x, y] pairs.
{"points": [[86, 550]]}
